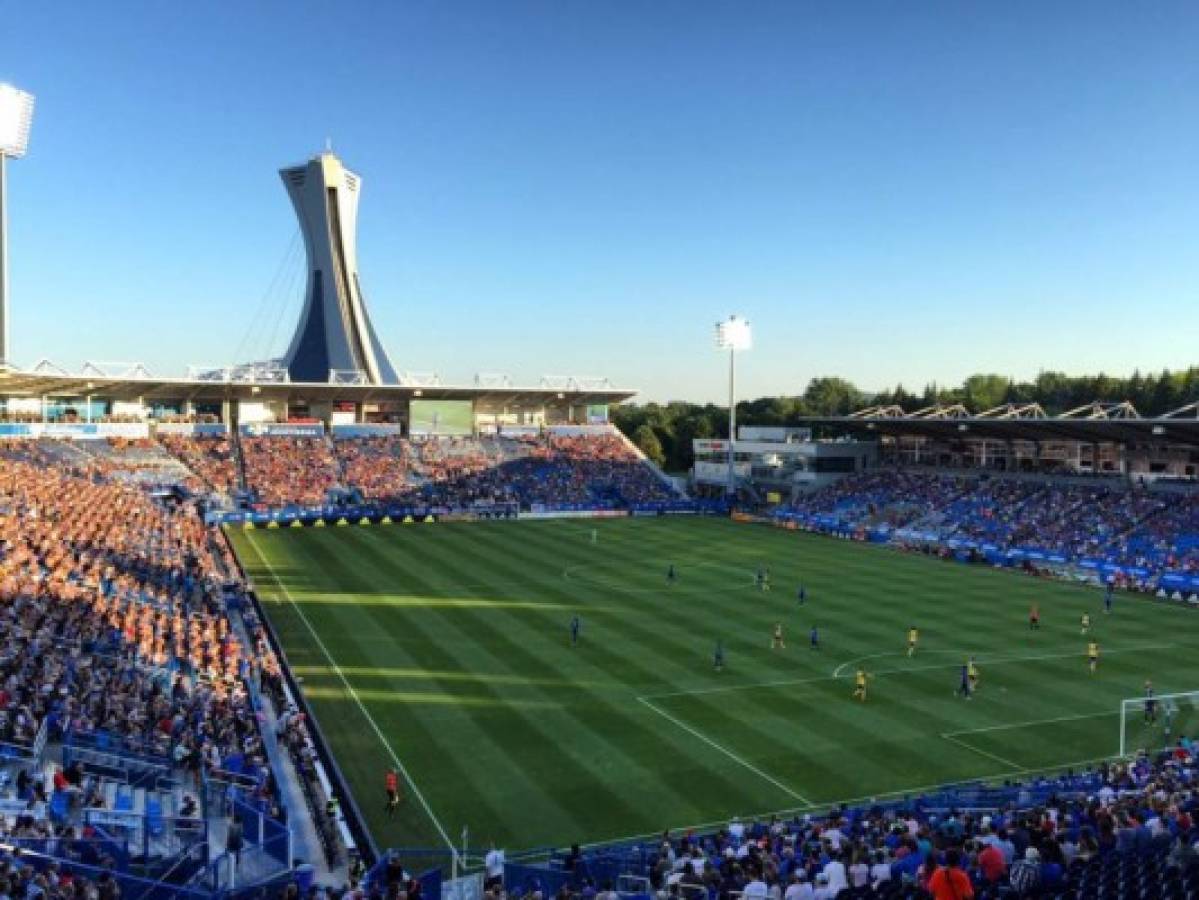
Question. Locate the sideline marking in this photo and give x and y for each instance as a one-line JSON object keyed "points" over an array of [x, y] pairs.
{"points": [[349, 687], [729, 753]]}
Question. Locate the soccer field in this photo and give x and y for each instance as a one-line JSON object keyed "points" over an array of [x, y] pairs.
{"points": [[447, 647]]}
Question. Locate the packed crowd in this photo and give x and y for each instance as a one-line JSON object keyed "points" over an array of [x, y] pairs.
{"points": [[1169, 539], [377, 467], [1081, 520], [991, 511], [111, 619], [460, 472], [210, 458], [1125, 830], [884, 497], [1115, 523], [286, 471]]}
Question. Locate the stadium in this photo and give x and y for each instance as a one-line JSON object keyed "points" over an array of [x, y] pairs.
{"points": [[315, 625]]}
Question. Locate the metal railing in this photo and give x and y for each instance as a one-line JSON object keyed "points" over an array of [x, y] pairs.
{"points": [[12, 750]]}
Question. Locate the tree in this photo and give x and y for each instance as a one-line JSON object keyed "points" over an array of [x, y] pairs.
{"points": [[982, 392], [665, 431], [831, 396], [647, 441]]}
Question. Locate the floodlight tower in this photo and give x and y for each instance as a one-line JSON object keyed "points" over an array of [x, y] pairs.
{"points": [[16, 115], [733, 334]]}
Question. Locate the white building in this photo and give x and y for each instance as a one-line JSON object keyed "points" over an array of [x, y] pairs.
{"points": [[780, 462]]}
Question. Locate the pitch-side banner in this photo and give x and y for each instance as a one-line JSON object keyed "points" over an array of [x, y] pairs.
{"points": [[203, 428], [283, 429], [74, 430]]}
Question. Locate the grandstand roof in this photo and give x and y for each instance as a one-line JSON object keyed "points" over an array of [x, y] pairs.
{"points": [[489, 393], [1101, 423]]}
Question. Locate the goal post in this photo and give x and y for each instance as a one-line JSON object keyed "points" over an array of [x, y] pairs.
{"points": [[1158, 722]]}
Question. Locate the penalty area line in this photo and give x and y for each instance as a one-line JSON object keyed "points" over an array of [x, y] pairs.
{"points": [[354, 694], [727, 752], [1008, 726]]}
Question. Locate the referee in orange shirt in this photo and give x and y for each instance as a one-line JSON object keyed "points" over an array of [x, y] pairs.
{"points": [[393, 791]]}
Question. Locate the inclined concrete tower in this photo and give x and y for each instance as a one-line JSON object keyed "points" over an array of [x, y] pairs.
{"points": [[335, 339]]}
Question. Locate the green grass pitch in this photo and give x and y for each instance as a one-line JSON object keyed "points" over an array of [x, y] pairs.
{"points": [[448, 645]]}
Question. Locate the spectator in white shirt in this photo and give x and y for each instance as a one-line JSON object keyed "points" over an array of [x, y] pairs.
{"points": [[823, 891], [834, 836], [493, 863], [859, 872], [799, 888], [736, 831], [834, 871], [756, 889], [881, 870]]}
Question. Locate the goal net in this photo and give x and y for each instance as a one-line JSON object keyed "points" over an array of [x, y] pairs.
{"points": [[1158, 722]]}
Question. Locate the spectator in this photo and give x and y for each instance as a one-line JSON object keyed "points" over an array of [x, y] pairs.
{"points": [[992, 863], [1026, 873]]}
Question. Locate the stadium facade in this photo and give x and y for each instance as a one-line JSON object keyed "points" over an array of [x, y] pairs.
{"points": [[1102, 439]]}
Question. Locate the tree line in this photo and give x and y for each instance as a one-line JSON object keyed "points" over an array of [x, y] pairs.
{"points": [[664, 431]]}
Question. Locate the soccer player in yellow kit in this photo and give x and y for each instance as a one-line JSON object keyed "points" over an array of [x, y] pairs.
{"points": [[859, 685], [1093, 655], [913, 639]]}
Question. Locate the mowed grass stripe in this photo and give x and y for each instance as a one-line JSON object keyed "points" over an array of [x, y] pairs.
{"points": [[426, 641], [779, 755], [511, 648], [340, 624], [525, 743], [369, 732], [740, 615], [616, 729], [659, 626]]}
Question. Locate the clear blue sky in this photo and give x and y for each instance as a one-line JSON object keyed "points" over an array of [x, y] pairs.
{"points": [[889, 191]]}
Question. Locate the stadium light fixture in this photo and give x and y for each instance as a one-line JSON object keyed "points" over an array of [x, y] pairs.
{"points": [[733, 334], [16, 117]]}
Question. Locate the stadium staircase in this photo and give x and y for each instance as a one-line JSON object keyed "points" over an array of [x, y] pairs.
{"points": [[937, 520], [68, 453], [322, 851], [239, 460], [145, 462], [343, 477], [649, 463], [747, 488]]}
